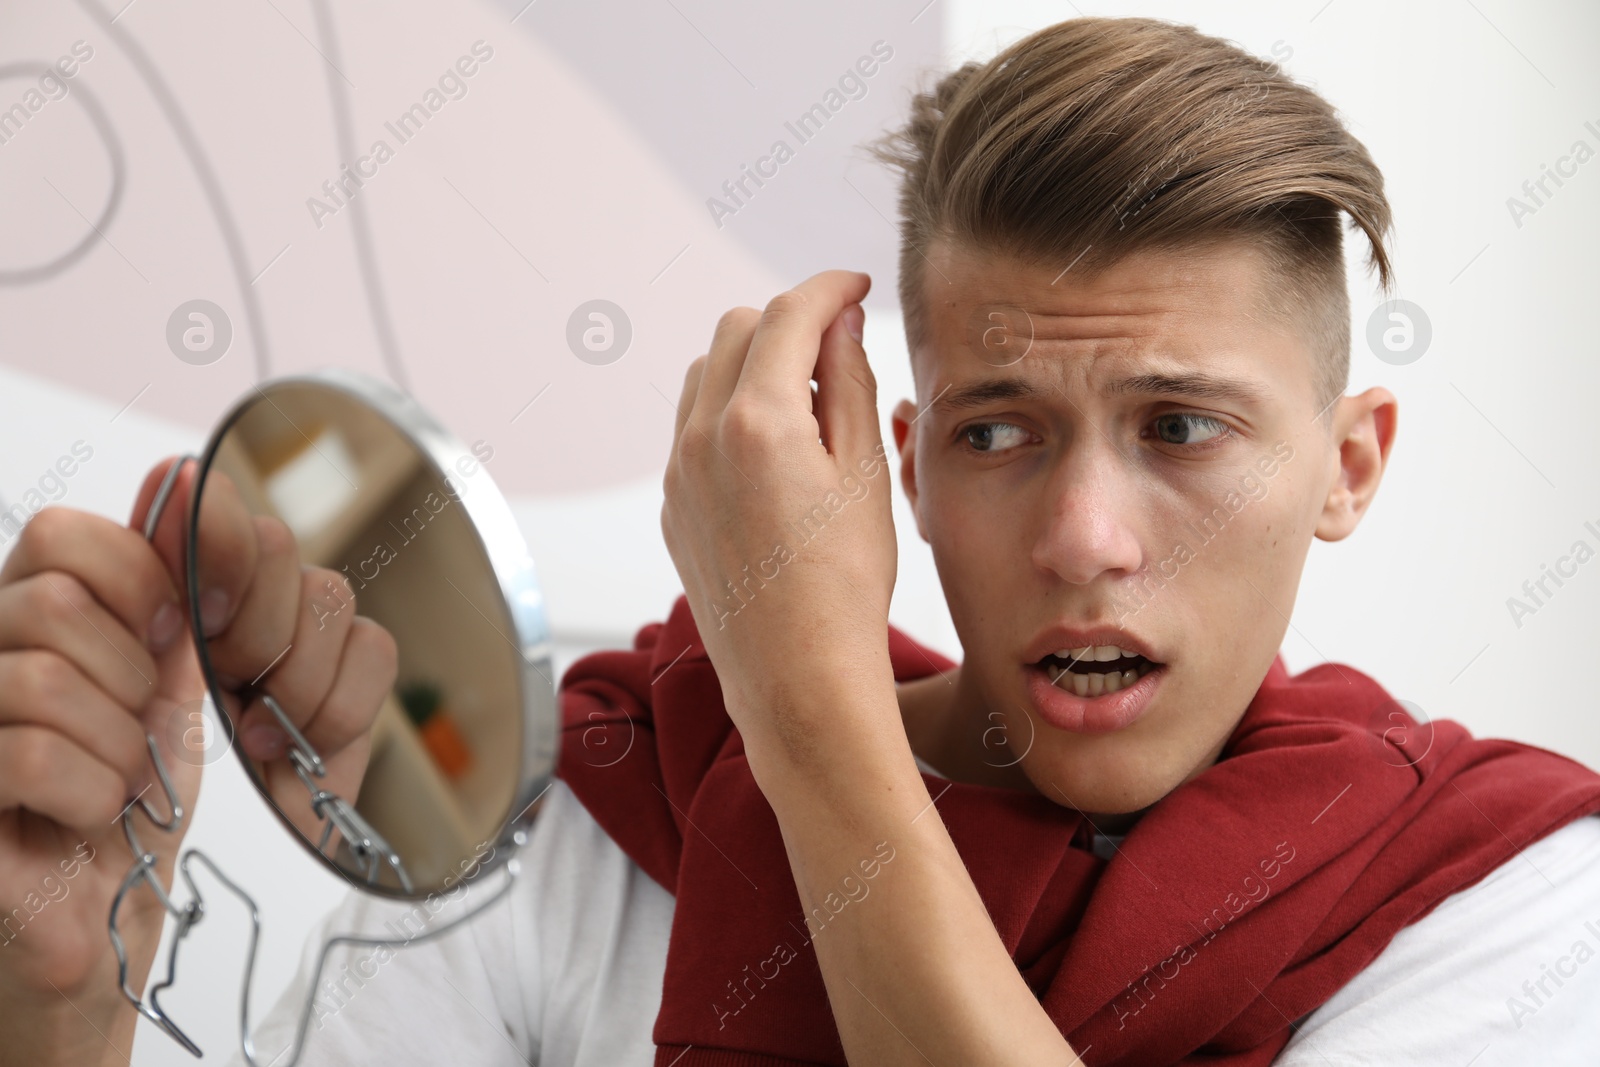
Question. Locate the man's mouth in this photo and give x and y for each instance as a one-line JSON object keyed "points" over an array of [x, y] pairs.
{"points": [[1095, 669]]}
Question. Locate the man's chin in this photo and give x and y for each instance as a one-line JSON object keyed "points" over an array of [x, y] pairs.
{"points": [[1102, 779], [1115, 771]]}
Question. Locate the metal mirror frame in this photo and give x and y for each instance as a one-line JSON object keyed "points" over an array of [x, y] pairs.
{"points": [[495, 529]]}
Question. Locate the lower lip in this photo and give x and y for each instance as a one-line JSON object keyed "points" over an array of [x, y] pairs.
{"points": [[1066, 710]]}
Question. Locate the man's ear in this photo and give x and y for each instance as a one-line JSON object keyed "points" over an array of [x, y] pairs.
{"points": [[1363, 430], [905, 414]]}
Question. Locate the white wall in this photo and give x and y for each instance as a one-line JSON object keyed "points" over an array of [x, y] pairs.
{"points": [[555, 159]]}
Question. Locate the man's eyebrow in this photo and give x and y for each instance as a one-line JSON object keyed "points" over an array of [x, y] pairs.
{"points": [[1193, 385], [1196, 386], [984, 392]]}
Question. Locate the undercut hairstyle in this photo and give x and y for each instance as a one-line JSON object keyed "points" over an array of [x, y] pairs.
{"points": [[1098, 137]]}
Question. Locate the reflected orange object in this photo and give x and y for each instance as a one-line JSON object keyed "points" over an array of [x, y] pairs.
{"points": [[445, 744]]}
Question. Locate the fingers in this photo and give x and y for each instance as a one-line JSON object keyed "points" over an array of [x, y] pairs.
{"points": [[227, 557], [772, 355], [365, 672], [42, 688], [691, 388], [847, 394], [723, 364], [82, 599], [113, 563], [53, 610], [301, 680], [784, 351], [49, 775], [262, 627]]}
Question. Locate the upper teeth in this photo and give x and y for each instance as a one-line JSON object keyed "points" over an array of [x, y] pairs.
{"points": [[1095, 653]]}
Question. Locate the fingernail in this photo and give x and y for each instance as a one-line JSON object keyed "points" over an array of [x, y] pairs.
{"points": [[265, 742], [165, 625], [213, 611], [854, 317]]}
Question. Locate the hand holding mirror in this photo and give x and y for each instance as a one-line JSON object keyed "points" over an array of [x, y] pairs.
{"points": [[388, 562]]}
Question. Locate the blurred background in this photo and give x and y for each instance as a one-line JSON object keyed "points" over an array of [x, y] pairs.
{"points": [[538, 156]]}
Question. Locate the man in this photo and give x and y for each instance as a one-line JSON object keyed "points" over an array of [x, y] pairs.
{"points": [[1122, 280]]}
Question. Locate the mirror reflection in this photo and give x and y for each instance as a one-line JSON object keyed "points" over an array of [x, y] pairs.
{"points": [[382, 538]]}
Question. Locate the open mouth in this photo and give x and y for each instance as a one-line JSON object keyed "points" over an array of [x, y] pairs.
{"points": [[1095, 669]]}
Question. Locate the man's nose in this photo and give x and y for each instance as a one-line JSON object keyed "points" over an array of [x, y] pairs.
{"points": [[1090, 508]]}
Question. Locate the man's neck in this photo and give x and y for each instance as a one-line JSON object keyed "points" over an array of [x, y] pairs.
{"points": [[948, 730]]}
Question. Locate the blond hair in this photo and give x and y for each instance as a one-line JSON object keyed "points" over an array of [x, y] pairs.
{"points": [[1097, 137]]}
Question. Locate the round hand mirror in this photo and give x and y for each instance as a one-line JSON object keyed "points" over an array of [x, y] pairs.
{"points": [[397, 522], [421, 775]]}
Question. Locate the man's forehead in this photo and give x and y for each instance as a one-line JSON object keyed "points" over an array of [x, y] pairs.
{"points": [[1222, 279], [1007, 340], [1187, 314]]}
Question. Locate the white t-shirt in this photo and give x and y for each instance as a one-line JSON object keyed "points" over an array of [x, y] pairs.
{"points": [[567, 970]]}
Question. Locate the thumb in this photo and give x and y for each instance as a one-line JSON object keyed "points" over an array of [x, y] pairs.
{"points": [[847, 391], [169, 539], [174, 717]]}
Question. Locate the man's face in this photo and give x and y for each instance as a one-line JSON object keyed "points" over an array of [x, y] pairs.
{"points": [[1146, 473]]}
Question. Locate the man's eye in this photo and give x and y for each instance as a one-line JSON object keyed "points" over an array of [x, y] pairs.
{"points": [[993, 436], [1186, 428]]}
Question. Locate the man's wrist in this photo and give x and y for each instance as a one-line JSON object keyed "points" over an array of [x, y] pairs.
{"points": [[837, 745]]}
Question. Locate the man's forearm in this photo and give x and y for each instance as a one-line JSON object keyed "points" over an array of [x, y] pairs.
{"points": [[81, 1032], [914, 969]]}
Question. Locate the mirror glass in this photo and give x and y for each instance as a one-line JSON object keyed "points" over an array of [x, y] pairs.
{"points": [[466, 732]]}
